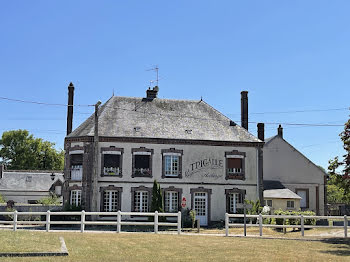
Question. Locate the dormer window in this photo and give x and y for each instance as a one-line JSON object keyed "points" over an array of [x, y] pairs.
{"points": [[142, 162], [111, 161], [235, 165]]}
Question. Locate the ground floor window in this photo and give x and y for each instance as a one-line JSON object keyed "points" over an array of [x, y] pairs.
{"points": [[171, 201], [141, 201], [75, 197], [235, 198], [290, 204], [110, 201], [268, 202]]}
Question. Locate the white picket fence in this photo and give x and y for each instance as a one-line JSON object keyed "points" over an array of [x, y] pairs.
{"points": [[83, 222], [302, 225]]}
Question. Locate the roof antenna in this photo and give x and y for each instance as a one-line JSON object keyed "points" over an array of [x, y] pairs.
{"points": [[156, 69]]}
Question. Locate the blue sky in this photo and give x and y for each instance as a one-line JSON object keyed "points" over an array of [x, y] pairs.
{"points": [[289, 55]]}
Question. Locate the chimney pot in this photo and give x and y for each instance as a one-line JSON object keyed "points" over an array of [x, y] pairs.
{"points": [[280, 131], [244, 109], [261, 131]]}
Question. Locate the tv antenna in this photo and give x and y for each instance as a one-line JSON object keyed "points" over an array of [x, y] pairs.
{"points": [[156, 69]]}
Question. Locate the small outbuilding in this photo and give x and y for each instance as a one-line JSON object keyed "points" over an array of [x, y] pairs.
{"points": [[284, 199]]}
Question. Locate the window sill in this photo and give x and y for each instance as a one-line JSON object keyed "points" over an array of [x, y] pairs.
{"points": [[140, 175], [111, 175]]}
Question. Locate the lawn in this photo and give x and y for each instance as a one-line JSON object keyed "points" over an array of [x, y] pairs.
{"points": [[152, 247]]}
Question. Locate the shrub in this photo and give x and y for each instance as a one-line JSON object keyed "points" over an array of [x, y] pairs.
{"points": [[188, 217], [52, 199], [2, 199]]}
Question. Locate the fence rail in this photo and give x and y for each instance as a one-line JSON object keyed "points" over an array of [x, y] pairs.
{"points": [[83, 222], [302, 225]]}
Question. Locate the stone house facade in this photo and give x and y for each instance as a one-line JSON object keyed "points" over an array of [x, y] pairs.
{"points": [[200, 158]]}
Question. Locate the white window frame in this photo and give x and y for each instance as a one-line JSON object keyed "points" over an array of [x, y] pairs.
{"points": [[234, 199], [290, 201], [75, 197], [113, 204], [171, 201], [139, 206], [174, 172]]}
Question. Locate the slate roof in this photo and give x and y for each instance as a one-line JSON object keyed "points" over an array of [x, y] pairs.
{"points": [[162, 118], [280, 193], [273, 184], [24, 181]]}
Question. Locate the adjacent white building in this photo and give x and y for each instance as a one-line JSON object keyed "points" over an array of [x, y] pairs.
{"points": [[284, 163], [201, 159], [29, 186]]}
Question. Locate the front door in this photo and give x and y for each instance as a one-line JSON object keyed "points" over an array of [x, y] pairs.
{"points": [[201, 207]]}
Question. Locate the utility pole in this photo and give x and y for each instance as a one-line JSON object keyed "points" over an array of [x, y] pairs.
{"points": [[95, 169]]}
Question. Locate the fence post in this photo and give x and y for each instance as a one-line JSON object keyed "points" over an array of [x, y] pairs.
{"points": [[15, 220], [82, 226], [48, 221], [179, 222], [156, 222], [119, 220], [226, 224], [260, 224], [302, 225], [345, 226]]}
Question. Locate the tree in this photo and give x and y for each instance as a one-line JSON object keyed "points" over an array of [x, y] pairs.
{"points": [[22, 151], [340, 182], [157, 199]]}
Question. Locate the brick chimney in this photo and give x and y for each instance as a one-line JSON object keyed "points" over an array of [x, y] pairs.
{"points": [[244, 109], [70, 108], [152, 93], [280, 131], [261, 131]]}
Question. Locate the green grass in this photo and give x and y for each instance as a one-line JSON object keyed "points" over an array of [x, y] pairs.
{"points": [[161, 247]]}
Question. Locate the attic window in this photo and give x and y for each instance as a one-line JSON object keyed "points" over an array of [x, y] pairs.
{"points": [[137, 128], [188, 131]]}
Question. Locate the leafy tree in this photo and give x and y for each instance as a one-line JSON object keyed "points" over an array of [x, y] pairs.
{"points": [[157, 199], [21, 150], [340, 181]]}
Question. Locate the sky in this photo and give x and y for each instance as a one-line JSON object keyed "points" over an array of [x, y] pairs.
{"points": [[289, 55]]}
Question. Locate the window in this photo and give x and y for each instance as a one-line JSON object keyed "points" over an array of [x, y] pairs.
{"points": [[141, 201], [235, 162], [58, 190], [171, 165], [32, 201], [268, 203], [304, 194], [142, 162], [110, 201], [235, 198], [290, 204], [76, 161], [171, 201], [111, 165], [75, 197]]}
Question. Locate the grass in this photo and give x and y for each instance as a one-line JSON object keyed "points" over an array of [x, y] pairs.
{"points": [[152, 247]]}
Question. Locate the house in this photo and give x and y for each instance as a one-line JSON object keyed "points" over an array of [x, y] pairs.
{"points": [[29, 186], [276, 196], [201, 159], [284, 163]]}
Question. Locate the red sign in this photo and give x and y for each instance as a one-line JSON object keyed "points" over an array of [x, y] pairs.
{"points": [[183, 202]]}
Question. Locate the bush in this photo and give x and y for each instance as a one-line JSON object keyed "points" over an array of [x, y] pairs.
{"points": [[294, 221], [188, 217], [2, 199], [52, 199]]}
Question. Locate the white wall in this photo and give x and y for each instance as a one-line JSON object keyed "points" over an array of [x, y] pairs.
{"points": [[284, 163]]}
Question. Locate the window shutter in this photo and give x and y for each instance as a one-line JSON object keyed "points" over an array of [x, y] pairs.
{"points": [[234, 163]]}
